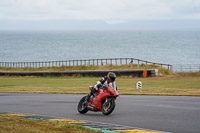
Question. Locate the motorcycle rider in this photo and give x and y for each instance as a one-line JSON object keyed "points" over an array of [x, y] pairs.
{"points": [[109, 78]]}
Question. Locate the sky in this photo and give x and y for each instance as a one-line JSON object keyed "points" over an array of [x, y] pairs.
{"points": [[99, 14]]}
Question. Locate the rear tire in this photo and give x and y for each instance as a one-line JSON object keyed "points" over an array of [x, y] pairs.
{"points": [[108, 107], [82, 105]]}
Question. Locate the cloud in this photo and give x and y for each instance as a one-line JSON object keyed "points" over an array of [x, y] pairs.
{"points": [[109, 11]]}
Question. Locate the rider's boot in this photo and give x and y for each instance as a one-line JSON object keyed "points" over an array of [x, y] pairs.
{"points": [[91, 94]]}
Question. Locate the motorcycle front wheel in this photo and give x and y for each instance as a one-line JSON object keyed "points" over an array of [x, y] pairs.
{"points": [[82, 105], [108, 106]]}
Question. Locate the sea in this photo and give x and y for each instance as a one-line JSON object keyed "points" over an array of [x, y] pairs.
{"points": [[180, 46]]}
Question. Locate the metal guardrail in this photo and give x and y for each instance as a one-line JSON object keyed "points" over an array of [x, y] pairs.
{"points": [[95, 62], [186, 67]]}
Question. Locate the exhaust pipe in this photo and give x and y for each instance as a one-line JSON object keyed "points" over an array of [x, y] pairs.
{"points": [[90, 108]]}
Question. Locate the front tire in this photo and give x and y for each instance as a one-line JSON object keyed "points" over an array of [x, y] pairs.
{"points": [[82, 105], [108, 107]]}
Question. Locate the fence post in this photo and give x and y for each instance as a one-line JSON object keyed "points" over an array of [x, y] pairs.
{"points": [[88, 62], [131, 62]]}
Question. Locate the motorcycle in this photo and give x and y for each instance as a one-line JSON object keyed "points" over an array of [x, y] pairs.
{"points": [[103, 100]]}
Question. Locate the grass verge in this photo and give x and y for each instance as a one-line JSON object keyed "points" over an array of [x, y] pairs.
{"points": [[13, 124], [170, 85]]}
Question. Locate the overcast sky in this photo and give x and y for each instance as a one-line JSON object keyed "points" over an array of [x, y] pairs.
{"points": [[99, 14]]}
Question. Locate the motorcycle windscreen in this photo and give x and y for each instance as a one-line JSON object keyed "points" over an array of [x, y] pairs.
{"points": [[113, 86]]}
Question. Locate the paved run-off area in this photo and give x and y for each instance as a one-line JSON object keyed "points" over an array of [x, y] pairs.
{"points": [[161, 113]]}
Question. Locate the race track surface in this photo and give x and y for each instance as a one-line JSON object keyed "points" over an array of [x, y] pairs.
{"points": [[177, 114]]}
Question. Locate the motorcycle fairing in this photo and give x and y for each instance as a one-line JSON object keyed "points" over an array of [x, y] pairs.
{"points": [[102, 94]]}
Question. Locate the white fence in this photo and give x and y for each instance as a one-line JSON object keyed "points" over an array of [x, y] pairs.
{"points": [[186, 67]]}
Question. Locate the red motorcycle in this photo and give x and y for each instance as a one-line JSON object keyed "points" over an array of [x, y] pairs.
{"points": [[103, 100]]}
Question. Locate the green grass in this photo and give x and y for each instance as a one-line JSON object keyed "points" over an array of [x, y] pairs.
{"points": [[13, 124], [167, 82], [170, 85]]}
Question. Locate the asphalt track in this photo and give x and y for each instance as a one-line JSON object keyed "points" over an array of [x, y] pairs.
{"points": [[177, 114]]}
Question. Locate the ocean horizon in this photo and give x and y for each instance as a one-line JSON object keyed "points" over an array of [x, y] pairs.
{"points": [[161, 46]]}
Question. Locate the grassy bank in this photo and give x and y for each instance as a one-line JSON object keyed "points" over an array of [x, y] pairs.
{"points": [[170, 85], [13, 124], [167, 82], [162, 71]]}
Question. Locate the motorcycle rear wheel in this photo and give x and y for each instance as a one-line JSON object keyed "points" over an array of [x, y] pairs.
{"points": [[82, 105], [108, 107]]}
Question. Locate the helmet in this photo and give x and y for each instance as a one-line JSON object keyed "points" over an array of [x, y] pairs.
{"points": [[111, 77]]}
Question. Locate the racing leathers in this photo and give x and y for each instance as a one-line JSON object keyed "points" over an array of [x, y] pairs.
{"points": [[100, 83]]}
